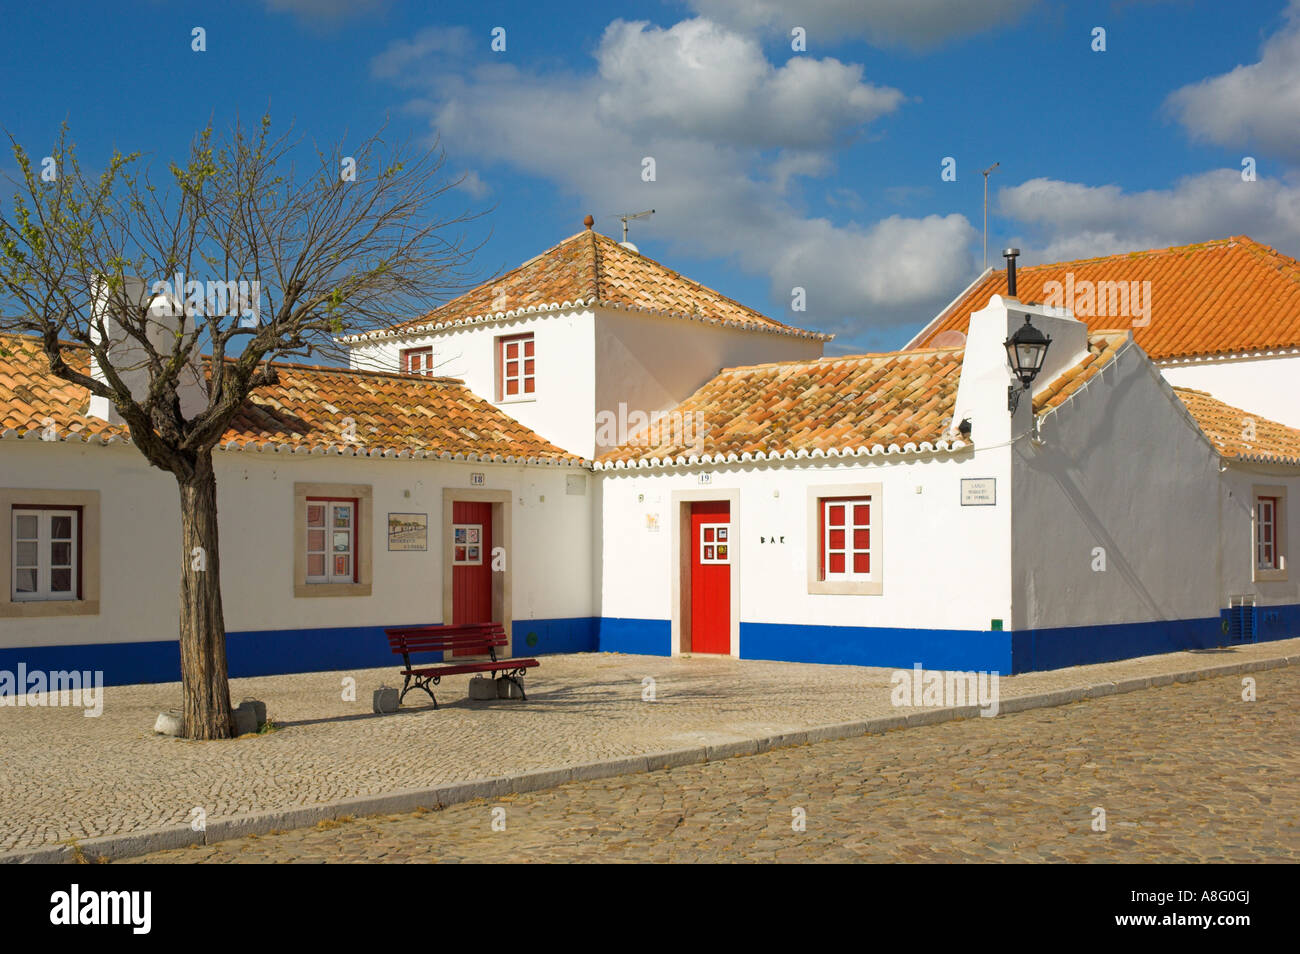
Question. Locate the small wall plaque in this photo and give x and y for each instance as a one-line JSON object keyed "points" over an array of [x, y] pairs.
{"points": [[979, 491], [408, 531]]}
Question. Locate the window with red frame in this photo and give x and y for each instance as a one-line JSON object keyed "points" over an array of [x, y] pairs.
{"points": [[417, 360], [331, 540], [1266, 543], [845, 538], [516, 364]]}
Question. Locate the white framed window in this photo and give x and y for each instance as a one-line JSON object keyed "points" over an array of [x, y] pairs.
{"points": [[516, 367], [331, 540], [417, 360], [1266, 555], [1269, 534], [715, 543], [46, 546]]}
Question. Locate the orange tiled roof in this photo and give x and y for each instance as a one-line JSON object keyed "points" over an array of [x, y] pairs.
{"points": [[859, 403], [1241, 434], [1102, 349], [307, 410], [1229, 296], [592, 269], [852, 405]]}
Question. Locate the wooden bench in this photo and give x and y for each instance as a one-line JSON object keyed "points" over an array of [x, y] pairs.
{"points": [[477, 639]]}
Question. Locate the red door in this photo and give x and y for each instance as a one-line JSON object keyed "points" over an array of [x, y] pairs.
{"points": [[470, 552], [711, 554]]}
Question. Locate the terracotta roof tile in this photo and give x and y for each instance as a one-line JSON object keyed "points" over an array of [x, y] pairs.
{"points": [[828, 405], [1229, 296], [1241, 434], [311, 407], [1103, 347], [592, 269], [853, 404]]}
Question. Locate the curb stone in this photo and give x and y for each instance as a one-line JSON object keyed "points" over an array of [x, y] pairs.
{"points": [[132, 844]]}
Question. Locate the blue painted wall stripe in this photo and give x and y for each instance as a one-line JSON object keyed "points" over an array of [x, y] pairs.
{"points": [[274, 652], [893, 648], [642, 637]]}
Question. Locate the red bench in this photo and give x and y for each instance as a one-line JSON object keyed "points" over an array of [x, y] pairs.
{"points": [[476, 639]]}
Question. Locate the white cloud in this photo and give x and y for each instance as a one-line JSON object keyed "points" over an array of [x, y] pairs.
{"points": [[402, 57], [730, 133], [473, 183], [918, 24], [1249, 106], [1069, 220], [701, 80]]}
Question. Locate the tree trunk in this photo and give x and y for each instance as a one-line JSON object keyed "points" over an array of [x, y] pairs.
{"points": [[204, 678]]}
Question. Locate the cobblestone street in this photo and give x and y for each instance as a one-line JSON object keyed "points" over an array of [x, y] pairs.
{"points": [[1185, 772], [65, 779]]}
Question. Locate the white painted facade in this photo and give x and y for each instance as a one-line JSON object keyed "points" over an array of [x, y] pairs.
{"points": [[1119, 467], [562, 409], [961, 584], [1266, 384], [590, 360], [548, 561], [1118, 512]]}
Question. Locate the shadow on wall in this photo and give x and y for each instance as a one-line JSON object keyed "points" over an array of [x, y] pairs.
{"points": [[1051, 461]]}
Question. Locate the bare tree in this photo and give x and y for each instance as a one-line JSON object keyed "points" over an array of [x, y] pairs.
{"points": [[352, 244]]}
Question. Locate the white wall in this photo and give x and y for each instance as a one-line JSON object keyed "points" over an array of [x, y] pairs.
{"points": [[1123, 469], [591, 360], [944, 565], [1237, 501], [1269, 386], [562, 411], [139, 577], [653, 363]]}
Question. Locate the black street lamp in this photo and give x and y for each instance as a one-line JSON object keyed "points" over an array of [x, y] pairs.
{"points": [[1026, 350]]}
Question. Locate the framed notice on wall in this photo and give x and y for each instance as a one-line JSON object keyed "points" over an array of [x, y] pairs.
{"points": [[979, 491], [408, 531]]}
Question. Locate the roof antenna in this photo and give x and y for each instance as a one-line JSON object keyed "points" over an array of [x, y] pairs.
{"points": [[986, 174], [628, 217]]}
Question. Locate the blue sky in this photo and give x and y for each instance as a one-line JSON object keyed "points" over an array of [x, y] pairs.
{"points": [[774, 168]]}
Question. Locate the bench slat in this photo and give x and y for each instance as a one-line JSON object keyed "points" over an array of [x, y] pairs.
{"points": [[459, 668]]}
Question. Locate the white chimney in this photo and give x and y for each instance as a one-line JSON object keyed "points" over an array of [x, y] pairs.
{"points": [[986, 373], [130, 359]]}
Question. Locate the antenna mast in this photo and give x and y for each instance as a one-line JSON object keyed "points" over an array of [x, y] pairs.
{"points": [[986, 211], [633, 215]]}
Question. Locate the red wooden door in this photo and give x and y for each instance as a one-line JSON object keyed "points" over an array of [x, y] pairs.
{"points": [[711, 556], [470, 553]]}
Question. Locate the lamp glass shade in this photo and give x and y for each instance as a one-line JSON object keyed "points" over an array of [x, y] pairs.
{"points": [[1026, 350]]}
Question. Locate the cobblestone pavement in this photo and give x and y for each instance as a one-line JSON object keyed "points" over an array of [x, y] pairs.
{"points": [[64, 776], [1187, 772]]}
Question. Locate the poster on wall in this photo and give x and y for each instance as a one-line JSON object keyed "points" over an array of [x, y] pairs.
{"points": [[466, 544], [408, 531]]}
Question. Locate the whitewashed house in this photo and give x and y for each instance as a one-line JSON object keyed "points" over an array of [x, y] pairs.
{"points": [[1220, 316], [885, 509]]}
